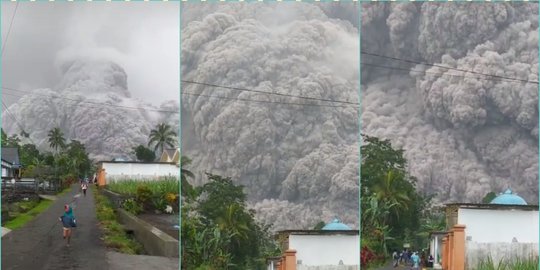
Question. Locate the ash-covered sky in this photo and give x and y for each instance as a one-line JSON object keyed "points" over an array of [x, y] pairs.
{"points": [[143, 38], [464, 134], [299, 164], [72, 65]]}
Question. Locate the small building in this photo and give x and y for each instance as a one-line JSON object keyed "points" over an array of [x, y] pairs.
{"points": [[505, 228], [334, 247], [11, 166], [130, 170]]}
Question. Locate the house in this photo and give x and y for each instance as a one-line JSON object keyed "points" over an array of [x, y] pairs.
{"points": [[130, 170], [336, 246], [11, 166], [505, 228], [170, 155]]}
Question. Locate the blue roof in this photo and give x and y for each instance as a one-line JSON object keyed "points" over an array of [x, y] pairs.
{"points": [[509, 198], [336, 225]]}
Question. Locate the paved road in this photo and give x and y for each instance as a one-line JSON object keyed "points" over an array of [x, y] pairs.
{"points": [[39, 244]]}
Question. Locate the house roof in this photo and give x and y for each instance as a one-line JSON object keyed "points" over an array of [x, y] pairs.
{"points": [[136, 162], [336, 225], [318, 232], [170, 151], [494, 206], [509, 198], [10, 154]]}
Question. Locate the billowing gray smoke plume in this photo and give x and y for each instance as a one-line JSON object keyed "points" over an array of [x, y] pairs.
{"points": [[299, 164], [74, 105], [464, 134]]}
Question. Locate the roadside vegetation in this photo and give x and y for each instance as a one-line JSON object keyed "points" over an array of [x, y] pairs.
{"points": [[393, 213], [114, 235], [27, 211], [530, 263], [158, 196], [218, 230], [57, 169]]}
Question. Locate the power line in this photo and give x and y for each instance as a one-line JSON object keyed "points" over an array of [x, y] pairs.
{"points": [[269, 93], [441, 66], [9, 29], [18, 123], [267, 101], [12, 116], [82, 101], [428, 72]]}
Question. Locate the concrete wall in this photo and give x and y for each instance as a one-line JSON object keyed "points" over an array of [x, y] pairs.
{"points": [[155, 241], [490, 233], [435, 248], [497, 252], [321, 250], [499, 226], [139, 171]]}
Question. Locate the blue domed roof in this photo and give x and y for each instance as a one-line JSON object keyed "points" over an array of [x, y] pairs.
{"points": [[336, 225], [509, 198]]}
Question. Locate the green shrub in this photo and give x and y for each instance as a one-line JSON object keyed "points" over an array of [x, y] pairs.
{"points": [[132, 206], [144, 194], [114, 234], [159, 203], [157, 187]]}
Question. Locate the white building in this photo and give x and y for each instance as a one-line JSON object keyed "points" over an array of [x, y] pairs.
{"points": [[334, 247], [506, 228]]}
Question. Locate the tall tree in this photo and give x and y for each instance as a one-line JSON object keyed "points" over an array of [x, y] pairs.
{"points": [[390, 202], [56, 139], [28, 154], [10, 141], [187, 189], [144, 154], [162, 136]]}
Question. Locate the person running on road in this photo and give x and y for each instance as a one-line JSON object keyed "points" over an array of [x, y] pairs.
{"points": [[84, 187], [68, 222]]}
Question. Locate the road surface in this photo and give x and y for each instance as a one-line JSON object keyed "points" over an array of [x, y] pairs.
{"points": [[39, 244]]}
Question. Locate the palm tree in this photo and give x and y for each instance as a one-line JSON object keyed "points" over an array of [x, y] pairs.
{"points": [[393, 196], [185, 161], [187, 189], [162, 136], [56, 139]]}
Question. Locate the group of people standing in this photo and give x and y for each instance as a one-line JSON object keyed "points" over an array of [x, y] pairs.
{"points": [[413, 259]]}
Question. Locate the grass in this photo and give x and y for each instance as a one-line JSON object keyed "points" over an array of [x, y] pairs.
{"points": [[158, 187], [114, 235], [530, 263], [24, 218]]}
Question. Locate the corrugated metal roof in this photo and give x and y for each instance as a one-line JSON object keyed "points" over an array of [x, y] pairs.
{"points": [[11, 155]]}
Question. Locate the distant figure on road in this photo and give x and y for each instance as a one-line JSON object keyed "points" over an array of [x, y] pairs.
{"points": [[415, 259], [84, 187], [395, 257], [68, 222]]}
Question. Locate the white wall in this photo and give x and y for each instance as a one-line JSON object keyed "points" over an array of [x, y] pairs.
{"points": [[498, 252], [139, 171], [499, 226], [320, 250]]}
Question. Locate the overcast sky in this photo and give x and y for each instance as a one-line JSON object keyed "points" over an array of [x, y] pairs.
{"points": [[142, 37]]}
